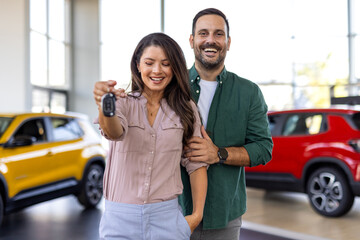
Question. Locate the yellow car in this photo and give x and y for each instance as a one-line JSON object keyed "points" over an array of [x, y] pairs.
{"points": [[45, 156]]}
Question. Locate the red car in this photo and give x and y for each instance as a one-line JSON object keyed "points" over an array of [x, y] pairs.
{"points": [[316, 151]]}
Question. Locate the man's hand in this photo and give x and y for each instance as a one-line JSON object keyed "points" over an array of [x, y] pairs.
{"points": [[193, 220], [202, 149], [103, 87]]}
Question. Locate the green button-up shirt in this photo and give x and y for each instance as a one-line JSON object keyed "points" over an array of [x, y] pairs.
{"points": [[237, 117]]}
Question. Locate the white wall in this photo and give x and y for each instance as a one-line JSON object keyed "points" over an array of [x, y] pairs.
{"points": [[86, 56], [14, 77]]}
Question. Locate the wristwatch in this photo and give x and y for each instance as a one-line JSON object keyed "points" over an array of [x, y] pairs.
{"points": [[223, 155]]}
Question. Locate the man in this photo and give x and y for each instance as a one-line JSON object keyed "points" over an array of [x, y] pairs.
{"points": [[234, 114]]}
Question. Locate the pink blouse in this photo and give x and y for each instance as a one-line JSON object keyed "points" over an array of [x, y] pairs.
{"points": [[143, 166]]}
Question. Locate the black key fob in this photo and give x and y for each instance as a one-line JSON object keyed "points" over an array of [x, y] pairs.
{"points": [[108, 104]]}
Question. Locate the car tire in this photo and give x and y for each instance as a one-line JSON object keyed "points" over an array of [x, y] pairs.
{"points": [[329, 192], [92, 186]]}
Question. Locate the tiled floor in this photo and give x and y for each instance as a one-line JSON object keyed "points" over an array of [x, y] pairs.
{"points": [[290, 215], [270, 216]]}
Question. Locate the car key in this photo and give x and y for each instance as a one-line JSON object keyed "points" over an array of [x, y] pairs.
{"points": [[108, 104]]}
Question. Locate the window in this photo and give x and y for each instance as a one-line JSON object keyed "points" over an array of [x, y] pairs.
{"points": [[356, 36], [300, 124], [65, 129], [123, 24], [295, 50], [4, 123], [35, 129], [49, 51], [274, 121], [355, 120]]}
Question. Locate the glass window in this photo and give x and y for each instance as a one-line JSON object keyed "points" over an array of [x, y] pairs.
{"points": [[33, 128], [58, 102], [290, 48], [357, 58], [273, 122], [49, 49], [38, 59], [40, 100], [280, 45], [299, 124], [65, 129], [56, 64], [356, 120], [123, 24], [49, 100], [57, 19], [313, 123], [38, 15], [290, 125], [4, 123]]}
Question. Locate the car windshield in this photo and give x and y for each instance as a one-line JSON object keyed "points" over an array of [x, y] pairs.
{"points": [[4, 123]]}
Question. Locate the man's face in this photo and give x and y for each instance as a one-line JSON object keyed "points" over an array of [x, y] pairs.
{"points": [[210, 41]]}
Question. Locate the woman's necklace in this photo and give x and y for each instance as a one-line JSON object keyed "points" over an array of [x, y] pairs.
{"points": [[152, 109]]}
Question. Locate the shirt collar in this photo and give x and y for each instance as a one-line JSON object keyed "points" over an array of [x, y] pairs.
{"points": [[195, 78], [143, 101]]}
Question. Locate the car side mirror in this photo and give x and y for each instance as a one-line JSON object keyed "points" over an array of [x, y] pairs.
{"points": [[20, 141]]}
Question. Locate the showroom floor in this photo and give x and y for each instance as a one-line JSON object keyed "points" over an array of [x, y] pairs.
{"points": [[270, 216]]}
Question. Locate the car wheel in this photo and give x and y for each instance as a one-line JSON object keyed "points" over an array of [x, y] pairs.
{"points": [[92, 186], [329, 192]]}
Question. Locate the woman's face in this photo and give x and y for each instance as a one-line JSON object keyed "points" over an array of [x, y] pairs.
{"points": [[155, 69]]}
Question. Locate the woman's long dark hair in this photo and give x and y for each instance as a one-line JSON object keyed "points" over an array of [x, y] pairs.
{"points": [[177, 92]]}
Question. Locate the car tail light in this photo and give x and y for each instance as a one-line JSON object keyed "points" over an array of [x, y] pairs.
{"points": [[355, 144]]}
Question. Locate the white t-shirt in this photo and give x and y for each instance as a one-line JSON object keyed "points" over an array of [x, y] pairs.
{"points": [[207, 92]]}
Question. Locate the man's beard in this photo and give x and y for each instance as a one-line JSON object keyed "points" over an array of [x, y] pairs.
{"points": [[209, 65]]}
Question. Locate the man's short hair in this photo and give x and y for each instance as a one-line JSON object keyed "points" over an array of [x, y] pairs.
{"points": [[210, 11]]}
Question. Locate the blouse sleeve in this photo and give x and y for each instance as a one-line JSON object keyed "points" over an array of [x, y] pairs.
{"points": [[185, 162]]}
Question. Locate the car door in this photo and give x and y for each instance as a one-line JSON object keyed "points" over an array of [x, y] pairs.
{"points": [[293, 140], [28, 165], [68, 147]]}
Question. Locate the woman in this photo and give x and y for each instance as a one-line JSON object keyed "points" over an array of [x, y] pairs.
{"points": [[142, 177]]}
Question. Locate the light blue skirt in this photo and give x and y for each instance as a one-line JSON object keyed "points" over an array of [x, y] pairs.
{"points": [[154, 221]]}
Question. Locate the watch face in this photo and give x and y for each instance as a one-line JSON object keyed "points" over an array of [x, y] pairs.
{"points": [[223, 153]]}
